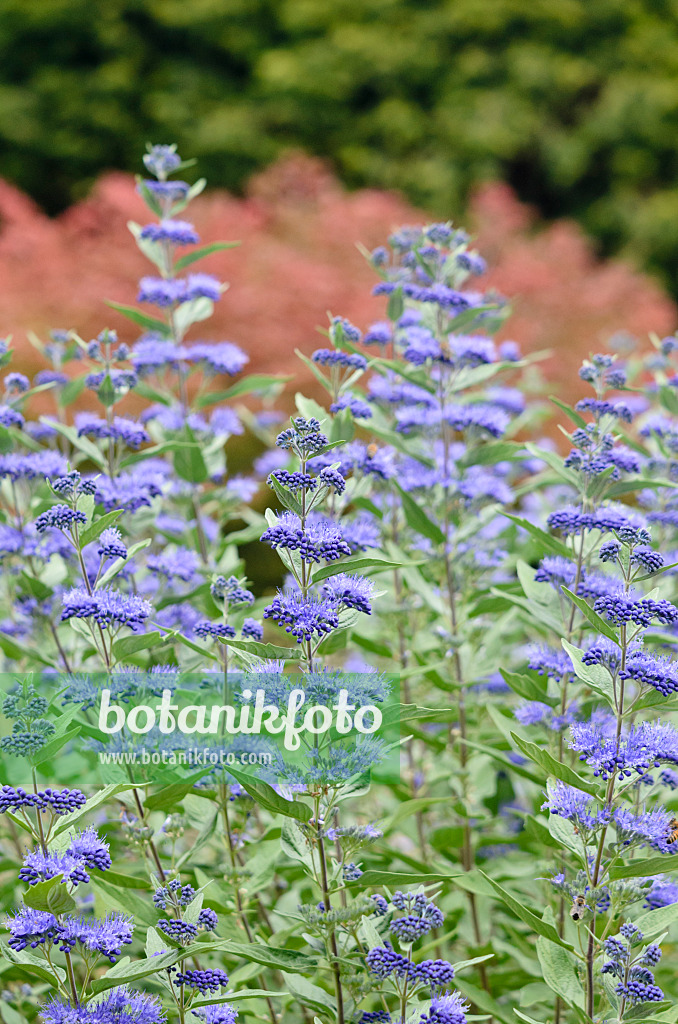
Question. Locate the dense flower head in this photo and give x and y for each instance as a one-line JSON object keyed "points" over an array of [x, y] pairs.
{"points": [[206, 980], [178, 563], [420, 915], [549, 662], [663, 893], [107, 607], [600, 408], [127, 431], [213, 630], [207, 919], [165, 292], [111, 543], [349, 591], [161, 160], [321, 539], [174, 893], [644, 746], [620, 607], [85, 851], [231, 591], [304, 437], [220, 357], [568, 802], [648, 828], [335, 357], [32, 466], [57, 801], [173, 232], [182, 931], [220, 1013], [445, 1009], [572, 520], [60, 517], [10, 417], [118, 1006], [356, 406], [557, 571], [303, 617]]}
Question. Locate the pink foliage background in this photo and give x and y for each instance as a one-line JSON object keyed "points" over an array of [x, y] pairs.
{"points": [[298, 259]]}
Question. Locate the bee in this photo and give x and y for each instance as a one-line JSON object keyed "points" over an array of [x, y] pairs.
{"points": [[673, 831], [372, 450], [578, 908]]}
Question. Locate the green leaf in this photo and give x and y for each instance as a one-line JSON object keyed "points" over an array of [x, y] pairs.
{"points": [[269, 652], [640, 868], [82, 444], [553, 767], [53, 747], [266, 796], [32, 964], [149, 323], [550, 544], [357, 565], [192, 312], [373, 877], [548, 931], [528, 688], [395, 304], [95, 529], [128, 645], [597, 677], [203, 250], [654, 922], [576, 418], [121, 881], [309, 995], [188, 461], [417, 519], [254, 383], [169, 796], [279, 959], [491, 453], [553, 460], [16, 651], [35, 587], [594, 618], [106, 391], [51, 896], [560, 972]]}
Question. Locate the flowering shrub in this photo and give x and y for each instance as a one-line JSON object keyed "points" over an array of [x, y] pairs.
{"points": [[432, 775]]}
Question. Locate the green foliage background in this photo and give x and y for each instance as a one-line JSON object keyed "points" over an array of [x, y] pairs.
{"points": [[574, 102]]}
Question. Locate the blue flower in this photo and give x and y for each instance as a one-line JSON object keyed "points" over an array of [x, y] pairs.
{"points": [[180, 563], [174, 232], [111, 544], [321, 539], [335, 357], [161, 160], [221, 357], [350, 591], [446, 1009], [421, 915], [60, 517], [568, 802], [210, 980], [119, 1006], [303, 617], [220, 1013], [107, 607]]}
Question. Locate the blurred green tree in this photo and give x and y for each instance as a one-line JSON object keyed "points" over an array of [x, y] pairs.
{"points": [[573, 102]]}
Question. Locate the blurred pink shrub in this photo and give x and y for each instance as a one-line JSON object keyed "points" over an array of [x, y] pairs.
{"points": [[299, 259]]}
